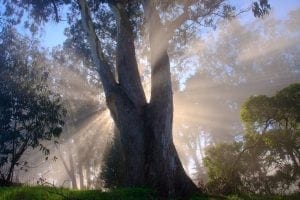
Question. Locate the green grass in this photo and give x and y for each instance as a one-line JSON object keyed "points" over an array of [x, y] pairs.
{"points": [[48, 193], [266, 197]]}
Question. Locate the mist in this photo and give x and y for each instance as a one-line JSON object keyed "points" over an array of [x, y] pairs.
{"points": [[237, 61], [219, 72]]}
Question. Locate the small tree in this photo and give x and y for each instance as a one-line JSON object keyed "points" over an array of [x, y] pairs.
{"points": [[267, 160], [272, 129], [218, 161], [29, 111]]}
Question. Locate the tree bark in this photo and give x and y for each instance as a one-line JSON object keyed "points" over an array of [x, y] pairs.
{"points": [[164, 169], [72, 172], [145, 129]]}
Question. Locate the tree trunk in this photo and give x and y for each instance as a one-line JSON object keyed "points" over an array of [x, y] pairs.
{"points": [[128, 119], [163, 167], [72, 172], [146, 138], [88, 177], [80, 172], [145, 129]]}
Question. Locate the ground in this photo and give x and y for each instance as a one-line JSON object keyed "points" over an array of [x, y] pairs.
{"points": [[48, 193]]}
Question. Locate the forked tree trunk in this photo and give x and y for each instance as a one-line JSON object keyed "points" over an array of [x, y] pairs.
{"points": [[150, 156], [164, 169], [145, 129]]}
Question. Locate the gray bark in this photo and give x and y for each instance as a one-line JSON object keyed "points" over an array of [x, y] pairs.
{"points": [[145, 129]]}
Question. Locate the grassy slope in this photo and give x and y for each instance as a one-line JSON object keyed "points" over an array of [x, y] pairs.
{"points": [[46, 193]]}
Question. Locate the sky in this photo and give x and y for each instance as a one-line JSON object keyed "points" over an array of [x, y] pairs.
{"points": [[53, 33]]}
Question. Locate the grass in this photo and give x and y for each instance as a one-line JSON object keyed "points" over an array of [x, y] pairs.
{"points": [[48, 193]]}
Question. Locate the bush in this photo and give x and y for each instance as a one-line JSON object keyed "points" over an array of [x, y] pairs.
{"points": [[112, 170]]}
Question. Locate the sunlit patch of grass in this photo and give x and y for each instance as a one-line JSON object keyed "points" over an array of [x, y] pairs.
{"points": [[50, 193], [32, 193]]}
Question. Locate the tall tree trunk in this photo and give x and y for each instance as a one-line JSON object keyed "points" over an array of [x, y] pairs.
{"points": [[80, 172], [163, 167], [128, 119], [72, 172], [145, 129], [88, 177]]}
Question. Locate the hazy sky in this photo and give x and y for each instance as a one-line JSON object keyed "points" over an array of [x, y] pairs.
{"points": [[53, 33]]}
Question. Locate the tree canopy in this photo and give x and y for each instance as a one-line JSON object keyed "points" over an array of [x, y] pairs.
{"points": [[267, 159]]}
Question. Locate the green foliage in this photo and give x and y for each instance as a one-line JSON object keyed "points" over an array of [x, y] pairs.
{"points": [[267, 160], [280, 111], [261, 9], [223, 173], [29, 111], [112, 170]]}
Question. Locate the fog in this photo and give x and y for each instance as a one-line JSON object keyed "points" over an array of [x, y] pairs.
{"points": [[238, 61], [218, 73]]}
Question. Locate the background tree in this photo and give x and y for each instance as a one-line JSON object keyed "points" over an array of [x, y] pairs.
{"points": [[267, 159], [30, 111], [275, 119]]}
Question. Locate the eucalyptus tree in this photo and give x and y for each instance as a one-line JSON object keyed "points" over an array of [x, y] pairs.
{"points": [[110, 31]]}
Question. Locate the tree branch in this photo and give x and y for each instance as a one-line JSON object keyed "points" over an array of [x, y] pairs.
{"points": [[55, 11], [188, 14], [161, 85], [16, 159], [104, 70], [171, 26], [127, 67]]}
